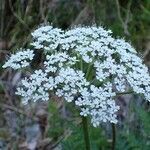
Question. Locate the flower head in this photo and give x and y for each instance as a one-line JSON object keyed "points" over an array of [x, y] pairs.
{"points": [[84, 65]]}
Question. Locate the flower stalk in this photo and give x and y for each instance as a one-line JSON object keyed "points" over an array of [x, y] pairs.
{"points": [[86, 133], [113, 136]]}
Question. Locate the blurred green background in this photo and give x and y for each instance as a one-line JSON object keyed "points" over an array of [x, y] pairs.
{"points": [[57, 125]]}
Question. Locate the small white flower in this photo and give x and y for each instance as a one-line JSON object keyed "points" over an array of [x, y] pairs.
{"points": [[84, 112]]}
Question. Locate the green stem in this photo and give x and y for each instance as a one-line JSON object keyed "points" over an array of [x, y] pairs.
{"points": [[88, 71], [113, 136], [123, 93], [81, 64], [86, 133]]}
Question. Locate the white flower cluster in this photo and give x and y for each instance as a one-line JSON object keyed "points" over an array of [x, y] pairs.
{"points": [[47, 38], [98, 103], [36, 87], [56, 61], [20, 59], [72, 82], [84, 65]]}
